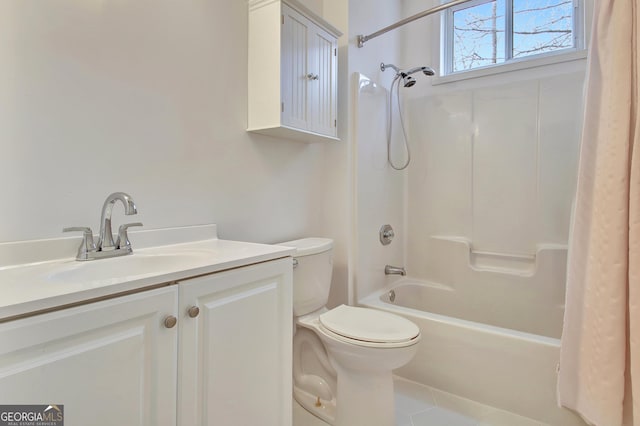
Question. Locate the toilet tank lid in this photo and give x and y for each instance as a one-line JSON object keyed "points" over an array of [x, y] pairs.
{"points": [[307, 246]]}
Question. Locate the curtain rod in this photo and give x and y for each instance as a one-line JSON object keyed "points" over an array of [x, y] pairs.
{"points": [[362, 39]]}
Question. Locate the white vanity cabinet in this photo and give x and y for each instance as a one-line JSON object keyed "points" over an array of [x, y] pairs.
{"points": [[235, 353], [292, 72], [109, 362], [210, 350]]}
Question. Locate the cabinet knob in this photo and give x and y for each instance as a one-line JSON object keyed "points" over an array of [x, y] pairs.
{"points": [[193, 311], [313, 76], [170, 321]]}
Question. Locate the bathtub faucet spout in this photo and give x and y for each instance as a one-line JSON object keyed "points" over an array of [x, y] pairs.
{"points": [[394, 270]]}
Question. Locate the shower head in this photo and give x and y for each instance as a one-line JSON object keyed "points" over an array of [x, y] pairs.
{"points": [[425, 70], [407, 80]]}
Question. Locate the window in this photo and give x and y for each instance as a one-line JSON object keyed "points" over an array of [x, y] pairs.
{"points": [[485, 33]]}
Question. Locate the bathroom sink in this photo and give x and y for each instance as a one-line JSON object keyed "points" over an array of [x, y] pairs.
{"points": [[128, 267]]}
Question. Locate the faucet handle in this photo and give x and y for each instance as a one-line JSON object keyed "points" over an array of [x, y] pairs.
{"points": [[123, 236], [87, 241]]}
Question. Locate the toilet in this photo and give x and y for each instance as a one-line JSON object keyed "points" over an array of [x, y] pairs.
{"points": [[343, 358]]}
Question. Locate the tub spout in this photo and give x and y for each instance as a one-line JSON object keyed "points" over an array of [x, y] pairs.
{"points": [[394, 270]]}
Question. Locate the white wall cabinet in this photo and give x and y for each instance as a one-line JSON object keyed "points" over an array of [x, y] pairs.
{"points": [[292, 72], [227, 362]]}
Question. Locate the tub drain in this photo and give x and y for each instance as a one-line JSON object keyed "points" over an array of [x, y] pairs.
{"points": [[392, 296]]}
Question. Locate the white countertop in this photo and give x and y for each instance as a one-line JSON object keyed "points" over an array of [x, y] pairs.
{"points": [[38, 286]]}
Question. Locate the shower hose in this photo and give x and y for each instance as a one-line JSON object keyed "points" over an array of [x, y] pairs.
{"points": [[390, 123]]}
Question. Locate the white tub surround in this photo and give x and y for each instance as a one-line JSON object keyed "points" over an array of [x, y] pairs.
{"points": [[41, 275], [523, 293], [188, 329]]}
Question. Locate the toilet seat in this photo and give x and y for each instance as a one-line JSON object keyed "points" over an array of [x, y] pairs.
{"points": [[368, 327]]}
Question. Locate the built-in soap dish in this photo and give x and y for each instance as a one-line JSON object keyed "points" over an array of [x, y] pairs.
{"points": [[514, 264]]}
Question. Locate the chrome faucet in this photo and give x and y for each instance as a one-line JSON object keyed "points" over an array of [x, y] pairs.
{"points": [[105, 240], [394, 270], [106, 247]]}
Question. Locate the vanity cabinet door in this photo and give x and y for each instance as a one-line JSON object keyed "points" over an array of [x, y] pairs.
{"points": [[235, 353], [109, 363]]}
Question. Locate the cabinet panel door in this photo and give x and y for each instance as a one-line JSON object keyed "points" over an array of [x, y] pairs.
{"points": [[235, 356], [323, 97], [109, 362], [295, 59]]}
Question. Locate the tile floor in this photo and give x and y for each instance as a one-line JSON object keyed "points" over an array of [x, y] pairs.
{"points": [[418, 405]]}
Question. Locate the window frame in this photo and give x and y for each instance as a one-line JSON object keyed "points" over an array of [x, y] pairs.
{"points": [[510, 63]]}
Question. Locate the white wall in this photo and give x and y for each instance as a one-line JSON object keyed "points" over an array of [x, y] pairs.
{"points": [[146, 97], [336, 190]]}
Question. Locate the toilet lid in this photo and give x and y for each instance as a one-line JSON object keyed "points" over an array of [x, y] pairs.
{"points": [[369, 325]]}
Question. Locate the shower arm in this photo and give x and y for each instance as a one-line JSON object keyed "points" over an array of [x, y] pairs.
{"points": [[362, 39]]}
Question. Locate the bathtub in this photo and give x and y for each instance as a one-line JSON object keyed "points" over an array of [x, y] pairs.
{"points": [[488, 354]]}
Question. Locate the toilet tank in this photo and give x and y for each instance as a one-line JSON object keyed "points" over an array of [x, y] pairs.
{"points": [[312, 275]]}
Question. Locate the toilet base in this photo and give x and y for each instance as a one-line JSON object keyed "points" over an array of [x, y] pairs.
{"points": [[365, 398], [325, 412]]}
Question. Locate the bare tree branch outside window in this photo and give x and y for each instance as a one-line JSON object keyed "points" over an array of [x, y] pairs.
{"points": [[539, 26]]}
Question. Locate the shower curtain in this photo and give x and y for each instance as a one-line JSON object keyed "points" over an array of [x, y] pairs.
{"points": [[599, 373]]}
